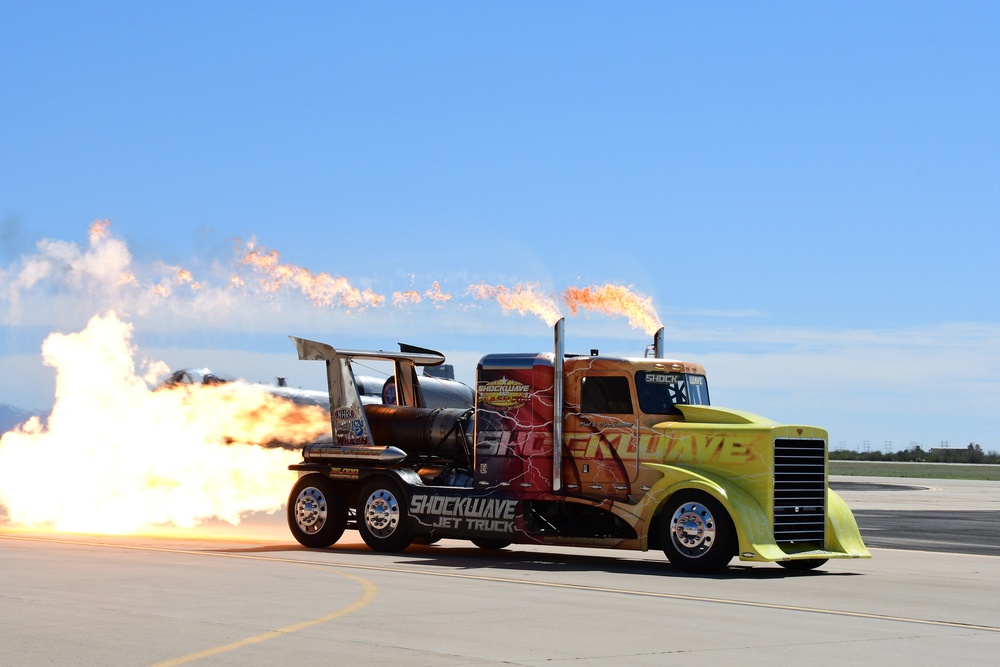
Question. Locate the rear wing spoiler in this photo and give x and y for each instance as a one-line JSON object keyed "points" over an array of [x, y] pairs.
{"points": [[347, 414], [310, 350]]}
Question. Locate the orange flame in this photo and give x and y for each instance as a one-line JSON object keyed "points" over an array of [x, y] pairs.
{"points": [[98, 229], [119, 457], [410, 296], [521, 297], [434, 293], [615, 300], [184, 277], [322, 288]]}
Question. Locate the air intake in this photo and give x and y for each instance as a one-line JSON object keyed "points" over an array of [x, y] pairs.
{"points": [[800, 492]]}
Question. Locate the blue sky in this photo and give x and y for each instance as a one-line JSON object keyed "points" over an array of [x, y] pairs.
{"points": [[808, 192]]}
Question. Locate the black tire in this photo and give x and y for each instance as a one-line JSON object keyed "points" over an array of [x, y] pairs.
{"points": [[802, 565], [491, 543], [382, 516], [317, 511], [696, 532]]}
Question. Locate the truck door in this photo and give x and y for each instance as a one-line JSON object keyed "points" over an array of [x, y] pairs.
{"points": [[601, 457]]}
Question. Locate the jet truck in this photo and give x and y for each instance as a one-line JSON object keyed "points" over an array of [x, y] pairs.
{"points": [[569, 450]]}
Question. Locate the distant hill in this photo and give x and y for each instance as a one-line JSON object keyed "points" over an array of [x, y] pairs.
{"points": [[11, 417]]}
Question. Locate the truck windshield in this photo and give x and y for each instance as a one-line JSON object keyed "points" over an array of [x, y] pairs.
{"points": [[659, 392]]}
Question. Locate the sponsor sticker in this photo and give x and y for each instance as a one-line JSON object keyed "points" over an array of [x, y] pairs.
{"points": [[488, 515], [504, 393]]}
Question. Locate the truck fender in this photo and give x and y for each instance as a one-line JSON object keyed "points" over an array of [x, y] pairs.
{"points": [[751, 521], [406, 478], [842, 531]]}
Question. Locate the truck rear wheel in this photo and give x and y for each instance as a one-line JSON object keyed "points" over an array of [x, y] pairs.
{"points": [[696, 532], [382, 516], [490, 543], [317, 512]]}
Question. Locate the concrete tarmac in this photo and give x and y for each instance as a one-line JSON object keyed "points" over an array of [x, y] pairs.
{"points": [[959, 516], [252, 596]]}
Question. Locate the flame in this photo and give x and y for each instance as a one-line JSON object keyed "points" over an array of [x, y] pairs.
{"points": [[434, 293], [184, 277], [410, 296], [321, 288], [118, 457], [105, 269], [615, 300], [520, 297], [98, 229]]}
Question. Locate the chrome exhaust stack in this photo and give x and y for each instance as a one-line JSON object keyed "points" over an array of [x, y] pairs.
{"points": [[659, 343], [557, 402]]}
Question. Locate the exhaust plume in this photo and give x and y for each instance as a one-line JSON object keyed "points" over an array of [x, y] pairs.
{"points": [[615, 300], [520, 297], [413, 296], [322, 289], [118, 457]]}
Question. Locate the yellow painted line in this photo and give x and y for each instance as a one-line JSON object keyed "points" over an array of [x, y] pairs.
{"points": [[543, 584], [671, 596], [368, 594]]}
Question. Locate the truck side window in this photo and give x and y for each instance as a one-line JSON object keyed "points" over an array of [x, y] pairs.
{"points": [[605, 395]]}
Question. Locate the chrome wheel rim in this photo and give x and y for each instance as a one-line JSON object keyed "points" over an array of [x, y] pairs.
{"points": [[310, 510], [381, 513], [692, 529]]}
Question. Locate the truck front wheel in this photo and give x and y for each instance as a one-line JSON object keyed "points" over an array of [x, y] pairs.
{"points": [[696, 532], [382, 516], [317, 512], [802, 565]]}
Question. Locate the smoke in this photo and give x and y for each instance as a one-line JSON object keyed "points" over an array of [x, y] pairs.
{"points": [[118, 455], [92, 272], [64, 284]]}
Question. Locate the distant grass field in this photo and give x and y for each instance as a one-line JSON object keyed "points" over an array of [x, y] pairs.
{"points": [[918, 470]]}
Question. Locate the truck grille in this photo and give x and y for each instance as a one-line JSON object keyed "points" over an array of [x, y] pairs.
{"points": [[799, 491]]}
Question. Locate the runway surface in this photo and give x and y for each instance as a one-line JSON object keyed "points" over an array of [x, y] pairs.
{"points": [[252, 596]]}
